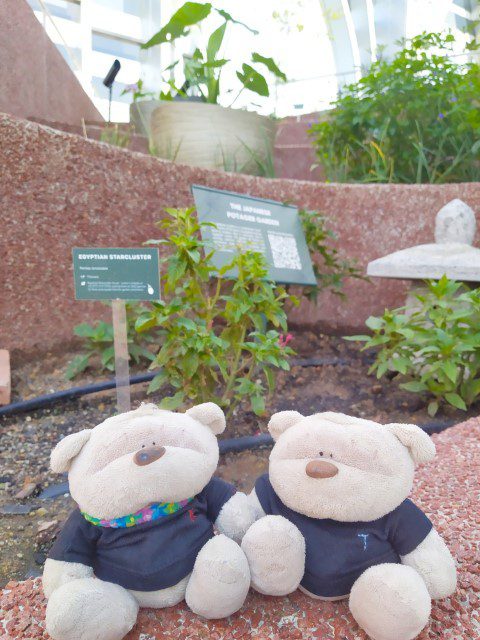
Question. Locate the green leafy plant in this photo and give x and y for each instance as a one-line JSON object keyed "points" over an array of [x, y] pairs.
{"points": [[329, 268], [411, 119], [137, 91], [433, 347], [202, 70], [118, 135], [98, 343], [219, 335]]}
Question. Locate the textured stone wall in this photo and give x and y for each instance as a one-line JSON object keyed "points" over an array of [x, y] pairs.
{"points": [[59, 190]]}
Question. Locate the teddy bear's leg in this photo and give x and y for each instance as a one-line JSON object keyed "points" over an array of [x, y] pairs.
{"points": [[220, 579], [163, 597], [90, 609], [390, 602], [275, 550]]}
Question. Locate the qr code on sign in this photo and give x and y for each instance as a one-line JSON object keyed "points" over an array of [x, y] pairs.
{"points": [[284, 251]]}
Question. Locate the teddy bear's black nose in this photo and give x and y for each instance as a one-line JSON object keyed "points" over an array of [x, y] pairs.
{"points": [[321, 469], [148, 455]]}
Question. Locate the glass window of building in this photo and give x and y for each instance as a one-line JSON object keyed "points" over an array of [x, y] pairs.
{"points": [[101, 90], [125, 6], [67, 9], [115, 46]]}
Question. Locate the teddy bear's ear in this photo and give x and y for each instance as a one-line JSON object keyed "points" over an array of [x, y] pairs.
{"points": [[210, 415], [282, 421], [419, 443], [67, 449]]}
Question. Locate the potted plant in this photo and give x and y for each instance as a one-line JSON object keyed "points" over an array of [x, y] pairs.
{"points": [[187, 124]]}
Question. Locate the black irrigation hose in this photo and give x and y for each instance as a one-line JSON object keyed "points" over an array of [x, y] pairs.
{"points": [[40, 402], [67, 394]]}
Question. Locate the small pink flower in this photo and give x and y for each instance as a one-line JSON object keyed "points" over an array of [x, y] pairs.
{"points": [[283, 342]]}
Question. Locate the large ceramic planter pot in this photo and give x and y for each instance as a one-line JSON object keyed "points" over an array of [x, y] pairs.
{"points": [[214, 137]]}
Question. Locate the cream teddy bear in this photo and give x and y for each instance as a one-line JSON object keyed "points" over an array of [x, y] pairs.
{"points": [[143, 533], [335, 520]]}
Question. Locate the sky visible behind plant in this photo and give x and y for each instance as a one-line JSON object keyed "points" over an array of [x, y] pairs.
{"points": [[295, 34]]}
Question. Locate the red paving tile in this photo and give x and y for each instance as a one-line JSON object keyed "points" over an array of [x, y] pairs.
{"points": [[448, 490]]}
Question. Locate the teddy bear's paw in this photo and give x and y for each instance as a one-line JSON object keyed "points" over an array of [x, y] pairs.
{"points": [[275, 551], [220, 579], [390, 602], [90, 609]]}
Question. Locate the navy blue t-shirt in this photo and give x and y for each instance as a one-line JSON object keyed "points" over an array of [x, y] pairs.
{"points": [[148, 556], [337, 553]]}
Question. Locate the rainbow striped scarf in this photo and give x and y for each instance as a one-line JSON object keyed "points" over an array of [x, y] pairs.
{"points": [[147, 514]]}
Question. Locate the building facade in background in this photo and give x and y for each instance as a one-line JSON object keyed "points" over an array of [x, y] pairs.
{"points": [[330, 42], [90, 34]]}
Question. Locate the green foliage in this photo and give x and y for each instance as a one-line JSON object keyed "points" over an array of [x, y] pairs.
{"points": [[202, 70], [118, 135], [138, 91], [329, 269], [215, 340], [436, 348], [411, 119], [98, 343]]}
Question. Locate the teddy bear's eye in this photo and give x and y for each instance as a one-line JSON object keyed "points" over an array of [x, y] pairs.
{"points": [[321, 453], [153, 443], [143, 446], [331, 455]]}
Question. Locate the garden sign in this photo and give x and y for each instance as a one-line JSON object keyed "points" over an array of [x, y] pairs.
{"points": [[117, 275], [272, 228]]}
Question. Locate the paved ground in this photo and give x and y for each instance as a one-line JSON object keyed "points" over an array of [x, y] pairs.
{"points": [[448, 489]]}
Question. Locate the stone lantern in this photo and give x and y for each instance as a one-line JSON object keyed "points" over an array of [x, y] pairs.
{"points": [[452, 253]]}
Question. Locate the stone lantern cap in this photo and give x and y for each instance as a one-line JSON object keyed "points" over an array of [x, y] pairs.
{"points": [[451, 254]]}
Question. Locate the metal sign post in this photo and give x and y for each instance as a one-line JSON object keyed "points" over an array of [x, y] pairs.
{"points": [[120, 346], [117, 274]]}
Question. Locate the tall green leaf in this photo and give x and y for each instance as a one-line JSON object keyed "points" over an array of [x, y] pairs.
{"points": [[253, 80], [189, 14], [270, 64]]}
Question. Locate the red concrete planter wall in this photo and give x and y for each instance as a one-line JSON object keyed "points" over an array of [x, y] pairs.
{"points": [[59, 190]]}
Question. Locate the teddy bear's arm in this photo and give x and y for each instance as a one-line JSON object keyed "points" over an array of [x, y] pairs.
{"points": [[434, 562], [236, 516], [255, 505], [57, 572]]}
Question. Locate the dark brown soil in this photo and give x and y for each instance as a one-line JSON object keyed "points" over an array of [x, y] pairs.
{"points": [[340, 384]]}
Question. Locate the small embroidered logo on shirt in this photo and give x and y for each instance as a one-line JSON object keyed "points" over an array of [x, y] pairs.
{"points": [[192, 515], [364, 537]]}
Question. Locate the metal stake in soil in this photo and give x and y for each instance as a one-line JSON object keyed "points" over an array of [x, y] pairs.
{"points": [[120, 345]]}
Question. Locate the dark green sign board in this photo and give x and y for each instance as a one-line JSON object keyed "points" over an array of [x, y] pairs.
{"points": [[269, 227], [109, 274]]}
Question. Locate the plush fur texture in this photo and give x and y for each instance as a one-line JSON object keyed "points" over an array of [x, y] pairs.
{"points": [[90, 609], [275, 550], [374, 474], [432, 560], [57, 573], [106, 460], [373, 465], [391, 602], [236, 517], [220, 579], [106, 482]]}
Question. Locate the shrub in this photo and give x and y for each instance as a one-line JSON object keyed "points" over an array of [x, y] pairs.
{"points": [[215, 340], [216, 337], [434, 347], [98, 343], [414, 118], [330, 270]]}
